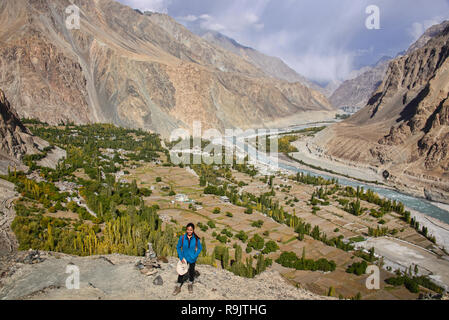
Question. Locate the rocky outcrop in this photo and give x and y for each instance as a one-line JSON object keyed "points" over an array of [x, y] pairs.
{"points": [[15, 139], [134, 70], [404, 128]]}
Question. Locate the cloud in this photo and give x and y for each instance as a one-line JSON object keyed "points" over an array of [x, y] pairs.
{"points": [[237, 18], [322, 39], [149, 5], [223, 23], [418, 28], [333, 66], [311, 61], [189, 18]]}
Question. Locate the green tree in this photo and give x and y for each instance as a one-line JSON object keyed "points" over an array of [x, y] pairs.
{"points": [[260, 265], [238, 253]]}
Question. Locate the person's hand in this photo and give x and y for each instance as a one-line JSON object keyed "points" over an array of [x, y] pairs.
{"points": [[184, 261]]}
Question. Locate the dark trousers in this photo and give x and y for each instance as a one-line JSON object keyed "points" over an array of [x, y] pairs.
{"points": [[190, 274]]}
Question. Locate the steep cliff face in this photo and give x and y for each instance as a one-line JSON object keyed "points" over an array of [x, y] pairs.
{"points": [[134, 70], [15, 139], [405, 125]]}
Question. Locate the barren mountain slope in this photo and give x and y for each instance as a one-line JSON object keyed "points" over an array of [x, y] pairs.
{"points": [[404, 129], [134, 70], [357, 91], [271, 66]]}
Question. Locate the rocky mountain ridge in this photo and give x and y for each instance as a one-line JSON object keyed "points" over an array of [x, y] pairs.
{"points": [[404, 129], [430, 33], [134, 70], [271, 66]]}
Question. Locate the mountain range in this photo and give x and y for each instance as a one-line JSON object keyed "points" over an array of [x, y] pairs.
{"points": [[403, 131], [271, 66], [145, 70], [136, 70]]}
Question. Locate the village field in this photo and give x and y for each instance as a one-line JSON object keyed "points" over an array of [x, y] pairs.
{"points": [[331, 219], [122, 196]]}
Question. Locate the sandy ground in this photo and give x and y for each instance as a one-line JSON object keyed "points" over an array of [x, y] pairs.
{"points": [[116, 277], [441, 205], [436, 228], [359, 172], [401, 255], [301, 118]]}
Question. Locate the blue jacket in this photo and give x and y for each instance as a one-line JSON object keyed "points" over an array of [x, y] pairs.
{"points": [[188, 249]]}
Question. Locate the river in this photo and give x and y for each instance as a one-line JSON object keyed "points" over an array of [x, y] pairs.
{"points": [[419, 204]]}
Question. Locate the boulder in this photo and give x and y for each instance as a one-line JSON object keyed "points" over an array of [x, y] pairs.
{"points": [[158, 281]]}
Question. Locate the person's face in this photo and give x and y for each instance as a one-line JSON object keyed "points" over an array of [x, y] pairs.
{"points": [[189, 231]]}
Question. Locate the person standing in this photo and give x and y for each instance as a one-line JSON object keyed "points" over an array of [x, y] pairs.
{"points": [[189, 248]]}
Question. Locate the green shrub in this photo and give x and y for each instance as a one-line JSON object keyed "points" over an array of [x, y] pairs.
{"points": [[290, 260], [270, 246], [222, 238], [242, 236], [256, 242], [257, 224], [211, 224], [357, 268]]}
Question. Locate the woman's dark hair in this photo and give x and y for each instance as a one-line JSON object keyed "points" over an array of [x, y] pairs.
{"points": [[193, 227]]}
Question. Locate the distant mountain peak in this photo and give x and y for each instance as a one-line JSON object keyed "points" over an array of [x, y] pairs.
{"points": [[271, 66], [430, 33]]}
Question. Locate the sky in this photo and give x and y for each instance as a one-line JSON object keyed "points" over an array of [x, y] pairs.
{"points": [[324, 40]]}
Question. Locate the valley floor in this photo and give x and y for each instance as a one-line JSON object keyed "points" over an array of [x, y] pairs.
{"points": [[401, 255], [307, 155], [180, 198]]}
